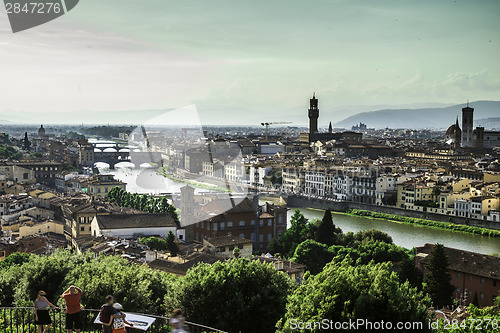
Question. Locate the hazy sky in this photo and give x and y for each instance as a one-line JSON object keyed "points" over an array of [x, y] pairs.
{"points": [[239, 61]]}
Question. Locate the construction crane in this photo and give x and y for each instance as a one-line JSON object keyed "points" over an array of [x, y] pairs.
{"points": [[267, 124]]}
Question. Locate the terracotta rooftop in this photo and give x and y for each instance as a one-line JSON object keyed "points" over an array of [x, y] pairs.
{"points": [[123, 221], [467, 262], [227, 241]]}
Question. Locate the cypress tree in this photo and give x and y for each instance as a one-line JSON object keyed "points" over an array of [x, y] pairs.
{"points": [[171, 244], [326, 230], [437, 281]]}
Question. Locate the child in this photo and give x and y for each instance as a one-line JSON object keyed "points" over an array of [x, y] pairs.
{"points": [[118, 320]]}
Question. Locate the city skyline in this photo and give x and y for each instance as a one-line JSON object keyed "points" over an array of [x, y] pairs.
{"points": [[251, 59]]}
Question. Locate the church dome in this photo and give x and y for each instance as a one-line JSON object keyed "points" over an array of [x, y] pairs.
{"points": [[451, 130], [41, 130]]}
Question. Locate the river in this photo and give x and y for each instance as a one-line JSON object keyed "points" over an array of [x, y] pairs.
{"points": [[407, 235], [403, 234]]}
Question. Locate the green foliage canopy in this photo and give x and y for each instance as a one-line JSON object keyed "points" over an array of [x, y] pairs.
{"points": [[342, 292]]}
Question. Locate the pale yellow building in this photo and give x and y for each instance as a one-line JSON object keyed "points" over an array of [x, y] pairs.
{"points": [[32, 228]]}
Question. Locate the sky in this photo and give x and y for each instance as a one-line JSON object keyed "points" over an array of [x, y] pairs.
{"points": [[242, 62]]}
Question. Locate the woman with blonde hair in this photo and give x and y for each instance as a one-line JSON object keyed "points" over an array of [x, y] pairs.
{"points": [[42, 316]]}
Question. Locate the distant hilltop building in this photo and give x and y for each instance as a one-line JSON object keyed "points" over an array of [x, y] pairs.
{"points": [[41, 131], [359, 127], [315, 135], [467, 136]]}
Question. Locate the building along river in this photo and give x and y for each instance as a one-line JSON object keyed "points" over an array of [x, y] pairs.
{"points": [[403, 234]]}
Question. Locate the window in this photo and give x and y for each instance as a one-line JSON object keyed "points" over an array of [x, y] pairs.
{"points": [[242, 223], [269, 223], [482, 280], [252, 236], [208, 225], [252, 222], [470, 277], [215, 226], [241, 236], [261, 223], [481, 296], [222, 226], [261, 238], [458, 275], [229, 224], [82, 228], [269, 237]]}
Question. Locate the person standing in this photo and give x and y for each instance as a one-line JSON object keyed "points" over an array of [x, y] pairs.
{"points": [[72, 298], [118, 321], [108, 310], [177, 322], [42, 316]]}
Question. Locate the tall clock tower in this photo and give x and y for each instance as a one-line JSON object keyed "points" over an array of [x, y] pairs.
{"points": [[313, 115]]}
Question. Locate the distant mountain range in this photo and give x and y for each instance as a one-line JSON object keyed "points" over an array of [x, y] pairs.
{"points": [[485, 114], [413, 116]]}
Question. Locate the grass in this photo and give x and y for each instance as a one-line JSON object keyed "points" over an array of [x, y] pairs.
{"points": [[428, 223]]}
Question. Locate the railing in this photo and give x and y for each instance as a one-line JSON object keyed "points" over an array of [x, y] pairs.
{"points": [[22, 320]]}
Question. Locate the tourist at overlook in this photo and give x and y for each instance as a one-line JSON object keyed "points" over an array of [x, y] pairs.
{"points": [[118, 320], [177, 322], [108, 310], [42, 316], [72, 297]]}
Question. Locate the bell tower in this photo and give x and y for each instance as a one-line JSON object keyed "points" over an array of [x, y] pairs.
{"points": [[467, 126], [313, 115]]}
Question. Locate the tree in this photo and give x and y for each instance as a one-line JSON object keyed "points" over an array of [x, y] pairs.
{"points": [[240, 295], [138, 287], [236, 252], [15, 258], [436, 191], [298, 232], [475, 301], [326, 231], [313, 254], [437, 281], [373, 234], [155, 243], [343, 292], [407, 271], [172, 246], [274, 246]]}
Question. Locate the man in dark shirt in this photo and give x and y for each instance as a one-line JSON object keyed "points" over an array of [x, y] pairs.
{"points": [[107, 310]]}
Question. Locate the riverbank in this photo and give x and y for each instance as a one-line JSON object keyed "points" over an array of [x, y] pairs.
{"points": [[345, 206], [163, 172], [422, 222]]}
